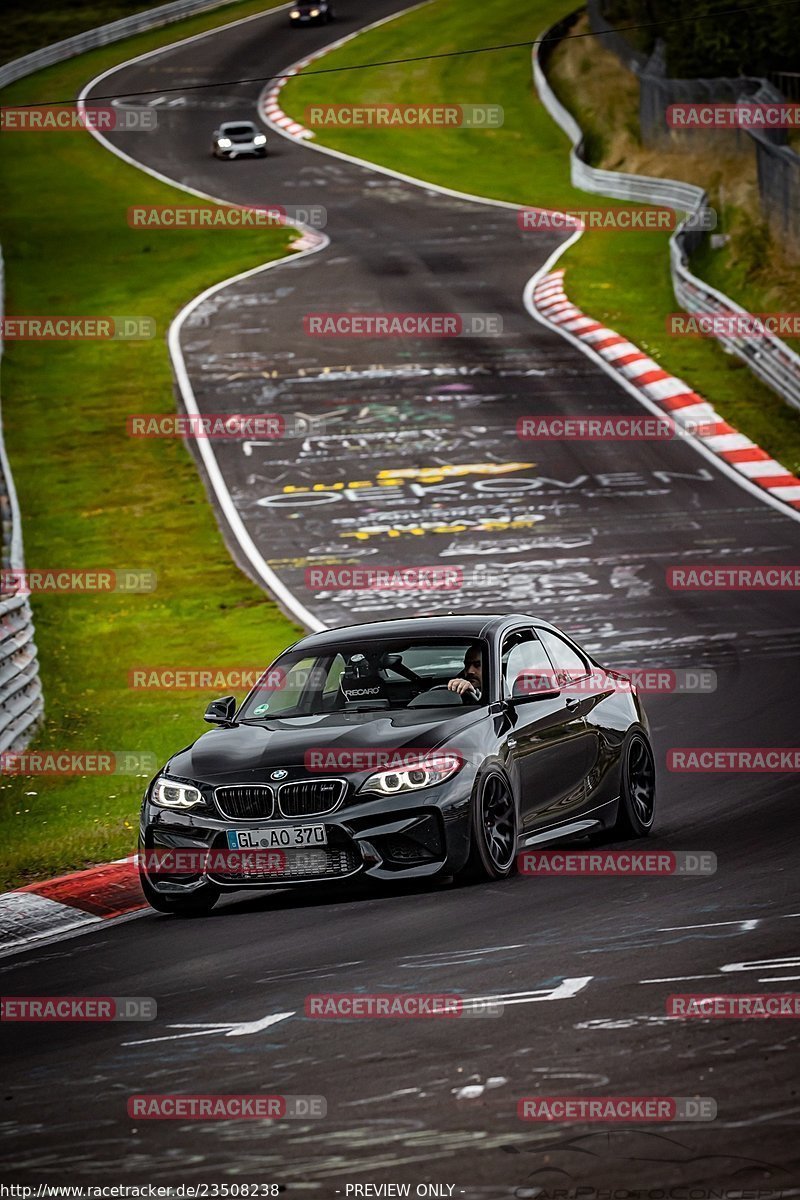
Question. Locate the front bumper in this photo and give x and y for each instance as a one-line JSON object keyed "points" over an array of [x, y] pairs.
{"points": [[241, 150], [401, 837]]}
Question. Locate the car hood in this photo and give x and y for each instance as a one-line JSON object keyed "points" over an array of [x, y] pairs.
{"points": [[247, 753]]}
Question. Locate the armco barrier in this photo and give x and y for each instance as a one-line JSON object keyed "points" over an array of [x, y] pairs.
{"points": [[21, 702], [769, 358], [103, 35]]}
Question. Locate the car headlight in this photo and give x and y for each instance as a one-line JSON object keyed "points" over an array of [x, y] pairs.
{"points": [[314, 12], [295, 13], [259, 139], [223, 143], [170, 794], [413, 776]]}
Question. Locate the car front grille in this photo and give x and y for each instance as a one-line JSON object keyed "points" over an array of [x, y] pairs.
{"points": [[245, 802], [310, 797], [323, 862]]}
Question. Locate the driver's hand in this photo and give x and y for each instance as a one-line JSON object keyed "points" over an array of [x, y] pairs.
{"points": [[461, 686]]}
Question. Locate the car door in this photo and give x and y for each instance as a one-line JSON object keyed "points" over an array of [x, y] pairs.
{"points": [[548, 737]]}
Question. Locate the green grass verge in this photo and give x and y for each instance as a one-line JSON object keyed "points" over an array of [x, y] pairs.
{"points": [[618, 277], [91, 496]]}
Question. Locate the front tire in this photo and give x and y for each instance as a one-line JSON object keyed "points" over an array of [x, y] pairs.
{"points": [[637, 800], [193, 904], [493, 838]]}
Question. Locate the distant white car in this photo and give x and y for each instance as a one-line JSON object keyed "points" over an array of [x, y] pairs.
{"points": [[238, 137], [311, 12]]}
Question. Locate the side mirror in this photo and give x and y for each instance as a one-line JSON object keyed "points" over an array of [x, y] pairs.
{"points": [[220, 712], [534, 685]]}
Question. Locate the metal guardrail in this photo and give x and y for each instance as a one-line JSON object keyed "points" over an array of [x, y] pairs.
{"points": [[769, 358], [103, 35], [21, 700]]}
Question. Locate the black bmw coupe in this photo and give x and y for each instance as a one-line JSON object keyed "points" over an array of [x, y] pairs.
{"points": [[432, 746]]}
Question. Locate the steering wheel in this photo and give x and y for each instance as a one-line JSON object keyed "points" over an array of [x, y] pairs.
{"points": [[464, 697]]}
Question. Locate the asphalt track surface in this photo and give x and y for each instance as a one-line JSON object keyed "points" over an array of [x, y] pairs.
{"points": [[600, 523]]}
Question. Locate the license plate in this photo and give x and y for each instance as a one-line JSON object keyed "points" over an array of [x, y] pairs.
{"points": [[279, 837]]}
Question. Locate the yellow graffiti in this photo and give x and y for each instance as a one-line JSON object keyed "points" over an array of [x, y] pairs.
{"points": [[485, 526], [435, 474], [393, 477]]}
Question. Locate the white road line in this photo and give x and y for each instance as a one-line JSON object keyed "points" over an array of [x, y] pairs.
{"points": [[681, 979], [696, 443], [563, 991], [229, 1028], [246, 544], [469, 953], [745, 925]]}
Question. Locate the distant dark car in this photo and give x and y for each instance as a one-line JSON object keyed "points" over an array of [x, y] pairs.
{"points": [[311, 14], [236, 138], [423, 747]]}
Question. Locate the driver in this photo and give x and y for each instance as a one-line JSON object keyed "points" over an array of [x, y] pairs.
{"points": [[469, 684]]}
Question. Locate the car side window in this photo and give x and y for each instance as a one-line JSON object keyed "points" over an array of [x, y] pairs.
{"points": [[523, 652], [334, 675], [569, 665]]}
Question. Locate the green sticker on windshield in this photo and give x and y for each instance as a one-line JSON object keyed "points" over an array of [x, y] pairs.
{"points": [[259, 709]]}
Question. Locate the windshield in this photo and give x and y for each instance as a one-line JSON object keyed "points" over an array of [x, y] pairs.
{"points": [[357, 677], [239, 130]]}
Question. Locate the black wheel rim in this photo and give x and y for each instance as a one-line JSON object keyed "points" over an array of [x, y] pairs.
{"points": [[499, 823], [641, 780]]}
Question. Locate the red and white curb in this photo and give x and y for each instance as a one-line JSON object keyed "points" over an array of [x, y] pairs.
{"points": [[69, 904], [270, 110], [684, 405]]}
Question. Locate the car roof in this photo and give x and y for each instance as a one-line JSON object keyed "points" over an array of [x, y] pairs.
{"points": [[466, 625], [231, 124]]}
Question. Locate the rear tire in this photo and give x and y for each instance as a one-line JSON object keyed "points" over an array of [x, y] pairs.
{"points": [[493, 837], [637, 800], [193, 904]]}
